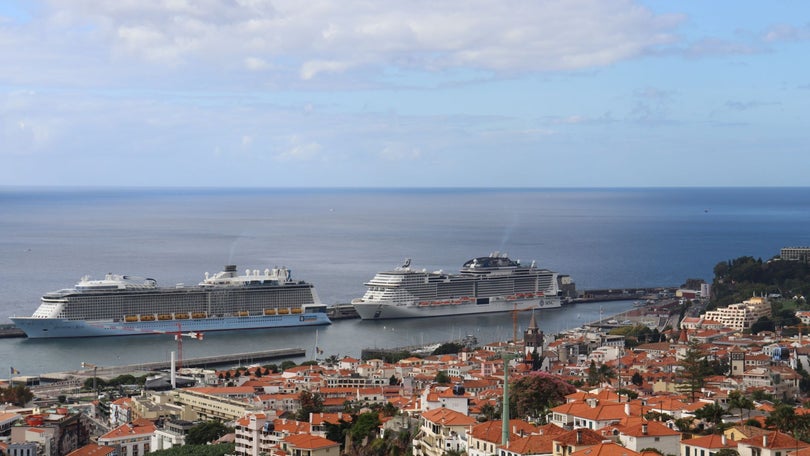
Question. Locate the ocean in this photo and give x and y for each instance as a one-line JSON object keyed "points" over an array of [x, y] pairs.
{"points": [[338, 238]]}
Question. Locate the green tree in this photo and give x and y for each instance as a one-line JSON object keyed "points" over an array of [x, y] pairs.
{"points": [[533, 394], [727, 452], [737, 400], [206, 432], [712, 413], [16, 394], [310, 403], [693, 370], [637, 379], [684, 424], [449, 348], [651, 450], [442, 378], [763, 324], [221, 449], [338, 432], [782, 418], [489, 412], [366, 426], [286, 365]]}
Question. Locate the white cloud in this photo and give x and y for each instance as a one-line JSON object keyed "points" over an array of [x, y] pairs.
{"points": [[299, 150], [256, 64], [316, 37], [400, 152]]}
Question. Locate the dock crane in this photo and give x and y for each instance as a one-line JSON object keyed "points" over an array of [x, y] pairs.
{"points": [[515, 318], [178, 336]]}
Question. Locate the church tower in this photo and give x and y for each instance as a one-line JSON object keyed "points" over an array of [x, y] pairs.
{"points": [[737, 356], [533, 344]]}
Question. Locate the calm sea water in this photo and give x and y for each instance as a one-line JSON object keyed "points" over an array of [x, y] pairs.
{"points": [[338, 239]]}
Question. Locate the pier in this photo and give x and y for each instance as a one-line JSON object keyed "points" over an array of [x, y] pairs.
{"points": [[622, 294], [109, 372], [7, 331]]}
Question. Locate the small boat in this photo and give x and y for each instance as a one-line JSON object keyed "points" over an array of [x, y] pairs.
{"points": [[270, 311], [181, 316], [147, 317], [243, 313], [199, 315], [165, 317], [296, 310], [130, 318], [283, 311]]}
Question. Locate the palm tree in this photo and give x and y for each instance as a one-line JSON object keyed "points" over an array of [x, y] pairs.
{"points": [[713, 413], [782, 418], [736, 400]]}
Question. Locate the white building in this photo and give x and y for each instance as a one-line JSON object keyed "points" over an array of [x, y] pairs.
{"points": [[131, 439], [742, 315]]}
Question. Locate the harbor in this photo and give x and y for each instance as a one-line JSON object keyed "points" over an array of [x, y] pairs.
{"points": [[347, 337]]}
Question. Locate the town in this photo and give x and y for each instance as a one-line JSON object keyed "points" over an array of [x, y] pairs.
{"points": [[717, 370]]}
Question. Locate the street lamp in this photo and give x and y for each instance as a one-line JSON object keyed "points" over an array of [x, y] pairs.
{"points": [[95, 368]]}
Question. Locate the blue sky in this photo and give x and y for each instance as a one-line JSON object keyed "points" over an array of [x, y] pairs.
{"points": [[255, 93]]}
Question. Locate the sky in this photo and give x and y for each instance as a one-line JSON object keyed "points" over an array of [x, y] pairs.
{"points": [[440, 93]]}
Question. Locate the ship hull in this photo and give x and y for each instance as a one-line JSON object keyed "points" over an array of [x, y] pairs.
{"points": [[386, 311], [48, 328]]}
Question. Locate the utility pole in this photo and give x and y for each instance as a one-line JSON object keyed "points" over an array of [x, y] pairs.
{"points": [[505, 406]]}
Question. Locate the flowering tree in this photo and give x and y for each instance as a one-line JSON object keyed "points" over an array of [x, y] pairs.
{"points": [[536, 392]]}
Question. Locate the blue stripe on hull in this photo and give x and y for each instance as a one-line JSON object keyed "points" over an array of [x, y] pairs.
{"points": [[47, 328]]}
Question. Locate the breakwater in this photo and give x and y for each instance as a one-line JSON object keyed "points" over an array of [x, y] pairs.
{"points": [[108, 372]]}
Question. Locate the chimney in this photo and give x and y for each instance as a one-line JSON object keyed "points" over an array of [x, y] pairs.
{"points": [[627, 408], [765, 441], [644, 429], [579, 436], [723, 439]]}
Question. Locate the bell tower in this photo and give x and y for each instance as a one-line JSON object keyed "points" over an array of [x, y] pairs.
{"points": [[533, 344]]}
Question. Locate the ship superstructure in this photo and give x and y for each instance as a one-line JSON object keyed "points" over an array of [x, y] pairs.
{"points": [[127, 305], [494, 283]]}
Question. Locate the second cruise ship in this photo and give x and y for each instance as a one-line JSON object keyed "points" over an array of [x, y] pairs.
{"points": [[493, 283]]}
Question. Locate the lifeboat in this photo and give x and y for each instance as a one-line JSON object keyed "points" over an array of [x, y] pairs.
{"points": [[283, 311], [130, 318], [165, 317], [296, 310], [147, 317], [243, 313], [424, 303], [181, 316], [199, 315], [269, 311]]}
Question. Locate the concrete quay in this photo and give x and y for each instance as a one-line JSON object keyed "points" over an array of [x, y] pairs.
{"points": [[108, 372]]}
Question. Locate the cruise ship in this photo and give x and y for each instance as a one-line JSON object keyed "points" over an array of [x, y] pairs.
{"points": [[124, 305], [493, 283]]}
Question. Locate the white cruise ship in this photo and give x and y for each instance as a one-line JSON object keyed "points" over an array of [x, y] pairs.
{"points": [[124, 305], [493, 283]]}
